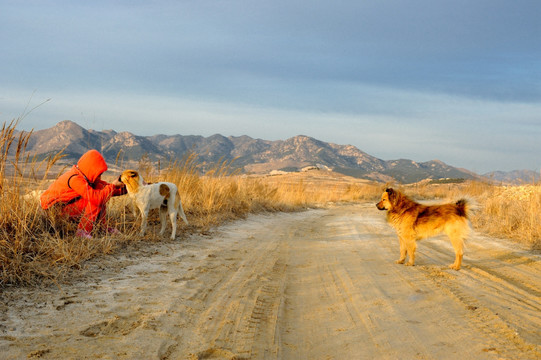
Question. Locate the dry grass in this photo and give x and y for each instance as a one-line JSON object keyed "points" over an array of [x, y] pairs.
{"points": [[512, 212], [35, 247]]}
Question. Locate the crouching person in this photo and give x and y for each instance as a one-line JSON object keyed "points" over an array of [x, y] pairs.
{"points": [[81, 195]]}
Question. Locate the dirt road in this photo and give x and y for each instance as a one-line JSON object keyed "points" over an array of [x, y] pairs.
{"points": [[320, 284]]}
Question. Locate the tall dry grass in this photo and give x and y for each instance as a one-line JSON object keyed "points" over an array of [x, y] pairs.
{"points": [[36, 247], [25, 241], [511, 212]]}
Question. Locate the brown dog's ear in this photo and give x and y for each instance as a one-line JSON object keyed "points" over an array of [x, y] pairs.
{"points": [[391, 193], [133, 174]]}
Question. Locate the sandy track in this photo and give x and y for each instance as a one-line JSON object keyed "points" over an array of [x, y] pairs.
{"points": [[320, 284]]}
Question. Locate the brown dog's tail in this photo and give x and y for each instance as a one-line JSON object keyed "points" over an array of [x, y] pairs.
{"points": [[465, 207]]}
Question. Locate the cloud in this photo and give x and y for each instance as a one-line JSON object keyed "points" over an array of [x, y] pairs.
{"points": [[476, 49], [458, 73]]}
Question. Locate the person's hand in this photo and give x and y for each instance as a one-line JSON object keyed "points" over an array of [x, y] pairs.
{"points": [[118, 183]]}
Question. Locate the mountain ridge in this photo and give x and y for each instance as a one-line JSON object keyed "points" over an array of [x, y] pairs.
{"points": [[245, 153]]}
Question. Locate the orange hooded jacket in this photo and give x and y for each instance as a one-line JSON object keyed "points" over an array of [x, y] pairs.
{"points": [[82, 181]]}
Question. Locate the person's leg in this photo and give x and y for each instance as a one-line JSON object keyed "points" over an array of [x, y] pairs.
{"points": [[87, 213]]}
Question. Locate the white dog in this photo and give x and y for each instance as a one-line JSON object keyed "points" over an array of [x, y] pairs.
{"points": [[162, 195]]}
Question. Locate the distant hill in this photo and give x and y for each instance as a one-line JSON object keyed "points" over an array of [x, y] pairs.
{"points": [[516, 177], [249, 155]]}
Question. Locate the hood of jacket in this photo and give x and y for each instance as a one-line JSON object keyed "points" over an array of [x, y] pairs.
{"points": [[92, 165]]}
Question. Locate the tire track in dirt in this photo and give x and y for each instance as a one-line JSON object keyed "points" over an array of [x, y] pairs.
{"points": [[235, 312], [501, 288], [240, 313]]}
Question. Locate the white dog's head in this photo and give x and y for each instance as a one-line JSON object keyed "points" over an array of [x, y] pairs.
{"points": [[132, 180]]}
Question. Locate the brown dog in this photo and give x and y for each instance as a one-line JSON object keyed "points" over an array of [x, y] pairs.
{"points": [[413, 221]]}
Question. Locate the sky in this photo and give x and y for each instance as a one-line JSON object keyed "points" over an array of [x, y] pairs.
{"points": [[453, 80]]}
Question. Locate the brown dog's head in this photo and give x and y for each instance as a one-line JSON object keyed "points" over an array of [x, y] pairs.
{"points": [[131, 179], [388, 198]]}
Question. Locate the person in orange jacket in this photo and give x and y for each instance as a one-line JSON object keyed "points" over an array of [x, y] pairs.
{"points": [[81, 194]]}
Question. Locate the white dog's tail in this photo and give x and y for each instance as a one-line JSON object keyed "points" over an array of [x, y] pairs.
{"points": [[180, 209]]}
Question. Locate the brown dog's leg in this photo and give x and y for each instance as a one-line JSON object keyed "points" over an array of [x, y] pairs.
{"points": [[458, 262], [411, 246], [402, 251], [457, 232], [458, 245]]}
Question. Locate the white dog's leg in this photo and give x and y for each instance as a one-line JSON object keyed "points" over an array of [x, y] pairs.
{"points": [[173, 218], [163, 219], [144, 216], [135, 206]]}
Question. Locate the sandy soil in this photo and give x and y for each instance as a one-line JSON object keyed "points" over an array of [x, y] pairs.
{"points": [[320, 284]]}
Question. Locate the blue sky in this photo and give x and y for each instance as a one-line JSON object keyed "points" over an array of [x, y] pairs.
{"points": [[458, 81]]}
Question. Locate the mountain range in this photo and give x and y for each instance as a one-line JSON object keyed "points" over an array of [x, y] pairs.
{"points": [[247, 154]]}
